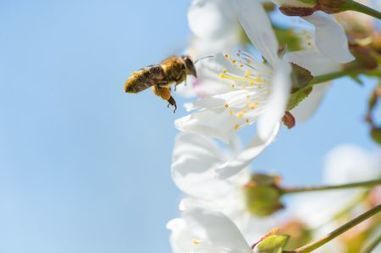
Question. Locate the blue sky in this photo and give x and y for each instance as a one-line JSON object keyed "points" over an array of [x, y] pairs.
{"points": [[85, 167]]}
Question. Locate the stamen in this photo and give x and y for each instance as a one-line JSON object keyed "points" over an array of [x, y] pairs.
{"points": [[248, 79], [240, 114], [253, 105], [196, 242]]}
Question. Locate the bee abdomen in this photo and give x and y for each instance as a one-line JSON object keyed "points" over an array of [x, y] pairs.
{"points": [[143, 79]]}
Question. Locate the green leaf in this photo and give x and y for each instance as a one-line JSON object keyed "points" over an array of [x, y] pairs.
{"points": [[375, 133], [272, 244]]}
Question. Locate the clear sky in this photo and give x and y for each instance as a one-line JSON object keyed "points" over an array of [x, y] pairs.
{"points": [[84, 168]]}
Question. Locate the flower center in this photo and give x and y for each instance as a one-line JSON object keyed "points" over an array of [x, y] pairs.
{"points": [[250, 84]]}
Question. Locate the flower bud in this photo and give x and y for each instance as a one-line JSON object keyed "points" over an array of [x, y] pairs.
{"points": [[263, 195], [306, 7], [331, 6], [298, 232]]}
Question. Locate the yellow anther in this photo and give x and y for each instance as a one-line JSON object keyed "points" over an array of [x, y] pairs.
{"points": [[247, 121], [236, 126], [240, 114], [253, 105], [226, 105], [196, 242]]}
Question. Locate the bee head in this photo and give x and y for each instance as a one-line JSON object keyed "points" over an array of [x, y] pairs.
{"points": [[189, 66]]}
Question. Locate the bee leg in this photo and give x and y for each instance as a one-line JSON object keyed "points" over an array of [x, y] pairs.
{"points": [[172, 102], [165, 93]]}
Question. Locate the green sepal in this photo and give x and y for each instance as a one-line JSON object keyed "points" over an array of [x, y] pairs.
{"points": [[375, 133], [298, 96], [272, 244], [263, 195]]}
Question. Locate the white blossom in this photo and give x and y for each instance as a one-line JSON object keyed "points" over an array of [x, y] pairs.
{"points": [[194, 160], [205, 231], [344, 164], [254, 92]]}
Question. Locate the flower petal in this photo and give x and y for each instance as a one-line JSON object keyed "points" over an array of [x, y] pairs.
{"points": [[257, 26], [331, 39], [276, 106], [194, 160], [344, 164], [350, 163], [313, 61], [211, 19], [211, 123], [203, 231], [246, 156]]}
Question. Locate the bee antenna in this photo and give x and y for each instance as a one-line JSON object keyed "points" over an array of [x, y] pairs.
{"points": [[203, 58]]}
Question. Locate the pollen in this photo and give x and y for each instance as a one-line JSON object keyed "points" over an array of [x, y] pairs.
{"points": [[240, 114], [247, 73], [252, 105], [196, 242], [236, 127], [226, 105]]}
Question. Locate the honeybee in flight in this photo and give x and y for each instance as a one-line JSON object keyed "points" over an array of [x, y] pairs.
{"points": [[160, 77]]}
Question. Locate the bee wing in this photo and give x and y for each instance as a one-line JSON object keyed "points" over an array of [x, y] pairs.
{"points": [[170, 59]]}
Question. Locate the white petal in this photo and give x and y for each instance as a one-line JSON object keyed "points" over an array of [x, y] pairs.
{"points": [[314, 61], [318, 208], [344, 164], [215, 231], [349, 163], [246, 156], [331, 39], [212, 123], [181, 236], [310, 105], [194, 160], [276, 106], [211, 19], [257, 26]]}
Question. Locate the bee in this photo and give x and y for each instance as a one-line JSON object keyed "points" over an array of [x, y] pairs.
{"points": [[160, 77]]}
